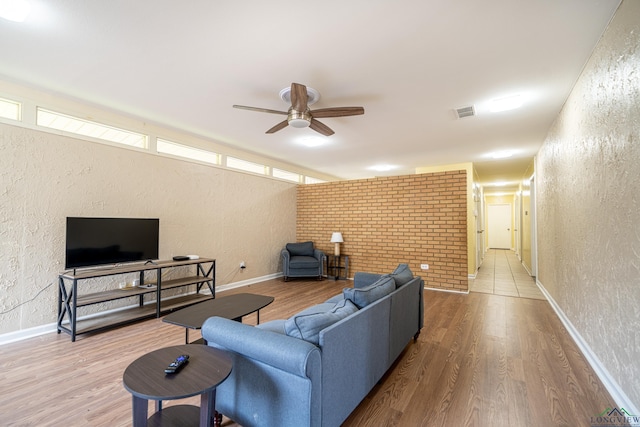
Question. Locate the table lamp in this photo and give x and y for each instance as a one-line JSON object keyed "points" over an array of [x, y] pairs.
{"points": [[336, 238]]}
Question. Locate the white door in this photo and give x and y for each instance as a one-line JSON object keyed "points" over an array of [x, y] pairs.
{"points": [[499, 226]]}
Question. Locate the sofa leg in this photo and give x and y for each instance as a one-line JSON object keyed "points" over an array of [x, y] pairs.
{"points": [[415, 337], [286, 279]]}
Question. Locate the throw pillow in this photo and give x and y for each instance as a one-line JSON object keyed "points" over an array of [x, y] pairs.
{"points": [[308, 323], [402, 275], [362, 297], [300, 249]]}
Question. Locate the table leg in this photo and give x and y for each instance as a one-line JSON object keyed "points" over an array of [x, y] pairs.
{"points": [[140, 409], [208, 415]]}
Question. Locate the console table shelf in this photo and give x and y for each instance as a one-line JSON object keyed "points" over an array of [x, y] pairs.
{"points": [[99, 297], [69, 298]]}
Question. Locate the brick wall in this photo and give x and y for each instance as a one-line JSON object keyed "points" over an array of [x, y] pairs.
{"points": [[384, 221]]}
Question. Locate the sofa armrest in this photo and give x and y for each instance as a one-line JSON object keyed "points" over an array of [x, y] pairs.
{"points": [[320, 256], [280, 351], [361, 279]]}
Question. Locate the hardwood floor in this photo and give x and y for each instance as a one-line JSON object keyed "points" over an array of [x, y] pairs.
{"points": [[481, 360]]}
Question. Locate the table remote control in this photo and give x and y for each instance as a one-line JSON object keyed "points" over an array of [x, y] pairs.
{"points": [[177, 364]]}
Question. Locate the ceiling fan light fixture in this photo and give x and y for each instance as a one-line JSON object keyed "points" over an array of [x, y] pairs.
{"points": [[299, 119], [299, 123]]}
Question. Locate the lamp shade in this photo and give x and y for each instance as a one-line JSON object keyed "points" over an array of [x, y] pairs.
{"points": [[336, 237]]}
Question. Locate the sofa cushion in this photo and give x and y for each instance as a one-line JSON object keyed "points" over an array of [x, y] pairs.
{"points": [[335, 299], [308, 323], [362, 297], [362, 279], [273, 326], [300, 249], [402, 275], [300, 261]]}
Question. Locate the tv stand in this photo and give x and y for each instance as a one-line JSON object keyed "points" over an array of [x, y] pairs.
{"points": [[69, 299]]}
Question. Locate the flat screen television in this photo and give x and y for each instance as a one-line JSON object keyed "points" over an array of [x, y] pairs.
{"points": [[98, 241]]}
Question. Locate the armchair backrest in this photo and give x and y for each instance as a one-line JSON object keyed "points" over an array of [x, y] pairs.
{"points": [[300, 249]]}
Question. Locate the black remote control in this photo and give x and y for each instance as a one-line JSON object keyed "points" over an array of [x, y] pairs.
{"points": [[177, 364]]}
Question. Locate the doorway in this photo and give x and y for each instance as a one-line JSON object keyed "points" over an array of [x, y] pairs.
{"points": [[499, 226]]}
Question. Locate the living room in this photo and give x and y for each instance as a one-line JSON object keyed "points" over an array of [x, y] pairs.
{"points": [[587, 254]]}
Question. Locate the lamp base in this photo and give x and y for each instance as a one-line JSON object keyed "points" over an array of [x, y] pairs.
{"points": [[337, 249]]}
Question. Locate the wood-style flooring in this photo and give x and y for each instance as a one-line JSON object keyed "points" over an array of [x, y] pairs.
{"points": [[481, 360]]}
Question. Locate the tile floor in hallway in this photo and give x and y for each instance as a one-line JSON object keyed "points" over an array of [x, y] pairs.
{"points": [[501, 273]]}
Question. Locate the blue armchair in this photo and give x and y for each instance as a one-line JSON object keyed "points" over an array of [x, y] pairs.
{"points": [[302, 260]]}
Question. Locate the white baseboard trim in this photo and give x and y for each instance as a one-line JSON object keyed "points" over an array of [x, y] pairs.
{"points": [[24, 334], [247, 282], [619, 396], [453, 291]]}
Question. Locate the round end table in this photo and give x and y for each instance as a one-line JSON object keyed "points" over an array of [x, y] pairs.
{"points": [[145, 379]]}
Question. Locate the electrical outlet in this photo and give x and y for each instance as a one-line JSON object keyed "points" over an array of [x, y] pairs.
{"points": [[424, 266], [242, 264]]}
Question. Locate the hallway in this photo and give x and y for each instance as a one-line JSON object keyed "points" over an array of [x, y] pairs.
{"points": [[501, 273]]}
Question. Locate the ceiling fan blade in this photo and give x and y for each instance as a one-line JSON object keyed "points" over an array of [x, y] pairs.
{"points": [[337, 112], [299, 97], [278, 127], [321, 128], [261, 110]]}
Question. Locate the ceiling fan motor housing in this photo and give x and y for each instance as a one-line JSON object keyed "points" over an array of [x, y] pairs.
{"points": [[299, 119]]}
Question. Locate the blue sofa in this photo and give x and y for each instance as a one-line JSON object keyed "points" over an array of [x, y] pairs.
{"points": [[314, 368]]}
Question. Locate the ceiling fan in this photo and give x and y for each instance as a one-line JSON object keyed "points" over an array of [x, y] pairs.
{"points": [[299, 114]]}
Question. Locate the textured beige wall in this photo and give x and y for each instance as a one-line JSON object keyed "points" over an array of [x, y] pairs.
{"points": [[588, 203], [203, 210]]}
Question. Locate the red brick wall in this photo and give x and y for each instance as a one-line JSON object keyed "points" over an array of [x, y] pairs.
{"points": [[414, 219]]}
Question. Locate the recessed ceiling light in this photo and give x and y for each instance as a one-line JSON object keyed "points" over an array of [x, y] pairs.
{"points": [[382, 168], [506, 103], [502, 154], [14, 10]]}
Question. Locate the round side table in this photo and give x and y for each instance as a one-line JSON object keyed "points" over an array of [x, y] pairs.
{"points": [[145, 379]]}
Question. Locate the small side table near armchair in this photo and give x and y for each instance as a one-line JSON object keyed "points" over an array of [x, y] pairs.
{"points": [[337, 267]]}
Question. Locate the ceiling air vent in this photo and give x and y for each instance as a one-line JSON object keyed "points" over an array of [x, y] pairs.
{"points": [[465, 112]]}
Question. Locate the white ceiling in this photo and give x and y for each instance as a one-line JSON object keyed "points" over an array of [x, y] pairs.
{"points": [[408, 63]]}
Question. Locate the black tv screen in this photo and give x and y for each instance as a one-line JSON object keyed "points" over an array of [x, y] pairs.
{"points": [[98, 241]]}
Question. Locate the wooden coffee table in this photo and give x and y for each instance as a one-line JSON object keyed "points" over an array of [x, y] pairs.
{"points": [[230, 307], [145, 379]]}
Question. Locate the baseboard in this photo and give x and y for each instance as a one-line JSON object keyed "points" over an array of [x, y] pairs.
{"points": [[453, 291], [614, 389], [247, 282], [24, 334]]}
